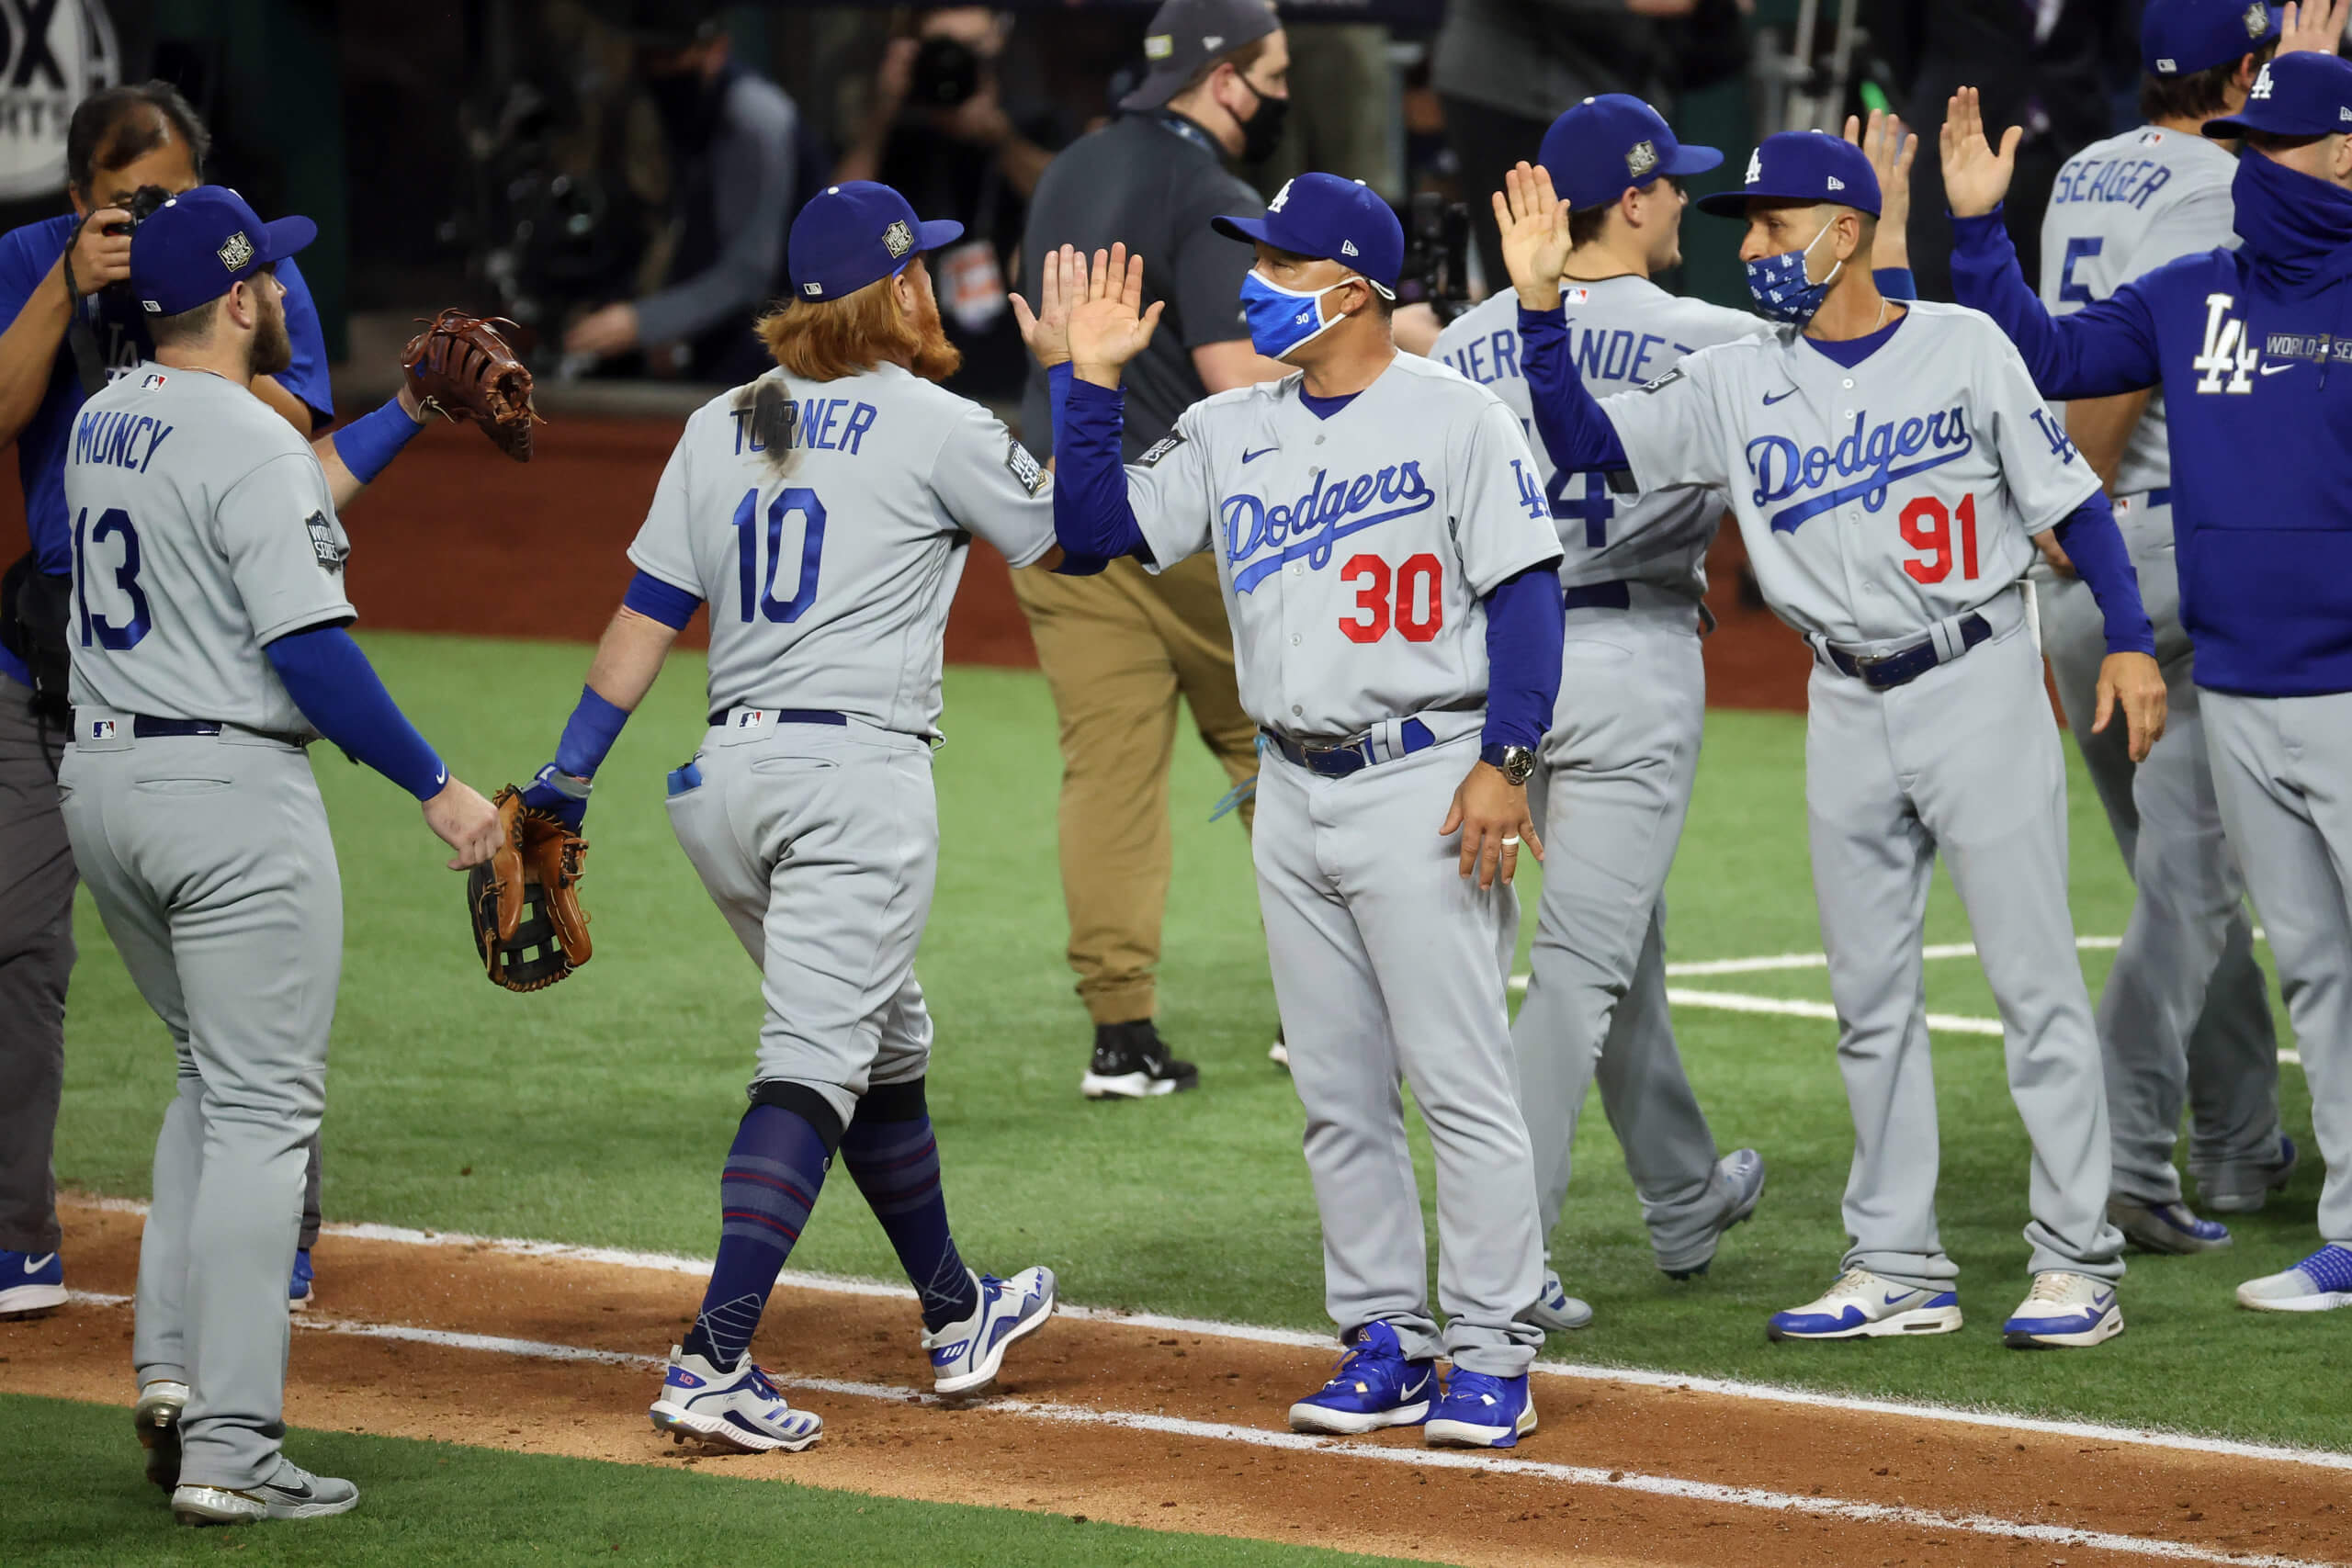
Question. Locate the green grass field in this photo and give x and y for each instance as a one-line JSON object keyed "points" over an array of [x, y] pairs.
{"points": [[598, 1112]]}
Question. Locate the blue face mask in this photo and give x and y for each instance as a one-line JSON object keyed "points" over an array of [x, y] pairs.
{"points": [[1282, 321], [1782, 290]]}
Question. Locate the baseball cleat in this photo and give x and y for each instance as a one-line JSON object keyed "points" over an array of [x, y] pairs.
{"points": [[156, 1417], [2063, 1309], [30, 1283], [1131, 1062], [298, 1287], [1478, 1411], [2251, 1202], [738, 1411], [2320, 1282], [1553, 1310], [1374, 1387], [1861, 1305], [1738, 1181], [293, 1493], [964, 1356], [2166, 1228], [1278, 1052]]}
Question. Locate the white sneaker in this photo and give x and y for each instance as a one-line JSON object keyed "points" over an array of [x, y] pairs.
{"points": [[1278, 1052], [1861, 1305], [2063, 1309], [1553, 1310], [291, 1492], [156, 1418], [2320, 1282], [739, 1410], [964, 1356]]}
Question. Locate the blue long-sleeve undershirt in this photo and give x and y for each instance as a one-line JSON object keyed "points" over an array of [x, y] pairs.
{"points": [[1569, 420], [1092, 517], [337, 690], [2093, 542], [1526, 626]]}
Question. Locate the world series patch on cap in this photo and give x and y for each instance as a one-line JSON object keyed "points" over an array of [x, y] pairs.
{"points": [[200, 242], [1607, 143], [854, 233], [2180, 37]]}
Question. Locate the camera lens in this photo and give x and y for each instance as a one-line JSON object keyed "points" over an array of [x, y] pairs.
{"points": [[946, 73]]}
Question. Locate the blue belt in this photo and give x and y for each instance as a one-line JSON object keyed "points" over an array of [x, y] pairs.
{"points": [[144, 726], [1906, 664], [2161, 496], [783, 715], [1339, 761], [1614, 595]]}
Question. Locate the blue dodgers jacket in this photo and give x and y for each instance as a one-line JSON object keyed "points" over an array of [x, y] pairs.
{"points": [[2244, 343]]}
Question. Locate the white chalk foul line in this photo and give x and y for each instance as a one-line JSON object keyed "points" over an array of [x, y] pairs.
{"points": [[1839, 1510], [1697, 968], [1642, 1377]]}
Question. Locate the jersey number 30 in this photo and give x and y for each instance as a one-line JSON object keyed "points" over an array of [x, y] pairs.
{"points": [[757, 595], [1420, 578], [114, 523]]}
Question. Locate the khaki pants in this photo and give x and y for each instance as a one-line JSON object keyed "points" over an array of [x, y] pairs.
{"points": [[1118, 649]]}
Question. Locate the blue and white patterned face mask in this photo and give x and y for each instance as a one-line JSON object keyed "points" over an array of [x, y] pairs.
{"points": [[1282, 321], [1782, 290]]}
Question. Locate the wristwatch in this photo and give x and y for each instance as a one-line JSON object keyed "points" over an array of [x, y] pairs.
{"points": [[1514, 763]]}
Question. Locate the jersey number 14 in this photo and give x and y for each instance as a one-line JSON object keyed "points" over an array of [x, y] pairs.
{"points": [[757, 593]]}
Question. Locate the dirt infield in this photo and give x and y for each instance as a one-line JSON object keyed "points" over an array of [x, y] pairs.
{"points": [[1174, 1428]]}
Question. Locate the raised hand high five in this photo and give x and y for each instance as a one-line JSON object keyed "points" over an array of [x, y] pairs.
{"points": [[1975, 176], [1888, 143], [2315, 26], [1046, 330], [1534, 224], [1107, 324]]}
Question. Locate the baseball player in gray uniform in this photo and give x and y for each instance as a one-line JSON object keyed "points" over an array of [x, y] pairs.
{"points": [[822, 512], [207, 624], [2185, 1014], [1386, 562], [1889, 466]]}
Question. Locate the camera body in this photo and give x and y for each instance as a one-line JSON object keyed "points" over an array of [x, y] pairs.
{"points": [[946, 73], [1437, 255], [143, 203]]}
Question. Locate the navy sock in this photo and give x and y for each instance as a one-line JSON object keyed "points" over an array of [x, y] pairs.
{"points": [[895, 1160], [773, 1172]]}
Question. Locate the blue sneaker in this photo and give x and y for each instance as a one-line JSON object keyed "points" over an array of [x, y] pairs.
{"points": [[739, 1410], [297, 1288], [2063, 1310], [964, 1357], [2320, 1282], [2251, 1202], [1481, 1412], [1375, 1386], [2166, 1228], [1861, 1305], [30, 1283]]}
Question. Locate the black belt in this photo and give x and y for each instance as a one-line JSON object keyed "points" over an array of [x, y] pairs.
{"points": [[2160, 496], [1613, 595], [145, 727], [783, 715], [1906, 665], [1339, 761]]}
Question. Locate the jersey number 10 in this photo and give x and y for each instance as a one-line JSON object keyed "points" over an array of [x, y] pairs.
{"points": [[757, 595], [1926, 525]]}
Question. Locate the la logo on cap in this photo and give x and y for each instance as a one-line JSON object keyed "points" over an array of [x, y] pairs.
{"points": [[236, 252], [1755, 165], [1280, 197], [2261, 88]]}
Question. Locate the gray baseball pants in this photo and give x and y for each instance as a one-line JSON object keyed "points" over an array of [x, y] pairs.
{"points": [[1963, 763], [1609, 800], [2185, 1018], [1388, 968], [820, 843], [211, 864], [2282, 767]]}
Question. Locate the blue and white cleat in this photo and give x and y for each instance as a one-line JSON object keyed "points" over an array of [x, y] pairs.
{"points": [[2251, 1202], [964, 1357], [2063, 1309], [30, 1282], [740, 1411], [1861, 1305], [2166, 1228], [1479, 1411], [1374, 1387], [299, 1286], [1553, 1310], [2320, 1282]]}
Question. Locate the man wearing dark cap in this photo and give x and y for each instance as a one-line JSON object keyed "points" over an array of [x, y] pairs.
{"points": [[1120, 649], [1890, 466]]}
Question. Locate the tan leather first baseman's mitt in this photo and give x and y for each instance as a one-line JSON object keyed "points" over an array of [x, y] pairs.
{"points": [[460, 364], [528, 925]]}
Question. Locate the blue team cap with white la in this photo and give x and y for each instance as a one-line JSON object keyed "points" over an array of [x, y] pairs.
{"points": [[1604, 144], [2180, 37], [1801, 166], [1340, 221], [2296, 95], [196, 244], [854, 233]]}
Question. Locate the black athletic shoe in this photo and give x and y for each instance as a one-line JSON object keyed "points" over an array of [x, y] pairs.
{"points": [[1131, 1062]]}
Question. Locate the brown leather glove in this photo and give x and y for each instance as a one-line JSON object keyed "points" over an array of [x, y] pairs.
{"points": [[460, 364], [524, 904]]}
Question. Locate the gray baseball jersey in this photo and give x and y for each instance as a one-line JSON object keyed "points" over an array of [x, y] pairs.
{"points": [[825, 523], [1624, 331], [1876, 499], [1354, 551], [203, 529], [2122, 207]]}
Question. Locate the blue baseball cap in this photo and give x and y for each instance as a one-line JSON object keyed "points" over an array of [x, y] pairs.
{"points": [[196, 244], [1340, 221], [1801, 166], [856, 233], [2297, 94], [2180, 37], [1604, 144]]}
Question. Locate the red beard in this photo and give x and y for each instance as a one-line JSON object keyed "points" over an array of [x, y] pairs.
{"points": [[936, 360]]}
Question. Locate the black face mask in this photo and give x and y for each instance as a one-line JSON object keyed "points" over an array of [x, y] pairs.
{"points": [[1263, 131]]}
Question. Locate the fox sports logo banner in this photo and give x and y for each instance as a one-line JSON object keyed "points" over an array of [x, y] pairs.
{"points": [[57, 52]]}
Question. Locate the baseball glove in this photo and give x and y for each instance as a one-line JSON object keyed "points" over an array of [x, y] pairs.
{"points": [[460, 364], [524, 904]]}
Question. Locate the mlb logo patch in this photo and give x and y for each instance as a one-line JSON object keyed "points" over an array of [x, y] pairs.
{"points": [[897, 239], [153, 381], [746, 718], [236, 252], [1576, 295], [102, 729]]}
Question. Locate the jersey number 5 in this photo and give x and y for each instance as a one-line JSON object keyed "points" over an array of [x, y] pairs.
{"points": [[1419, 577], [799, 498], [1926, 525], [114, 521]]}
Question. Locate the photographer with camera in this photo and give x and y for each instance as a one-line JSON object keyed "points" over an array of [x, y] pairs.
{"points": [[943, 128]]}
